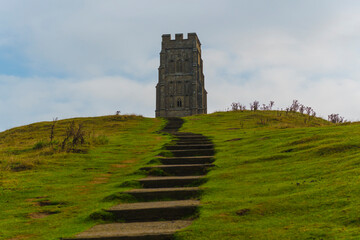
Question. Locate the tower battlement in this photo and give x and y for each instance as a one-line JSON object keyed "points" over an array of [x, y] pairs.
{"points": [[179, 37], [180, 90]]}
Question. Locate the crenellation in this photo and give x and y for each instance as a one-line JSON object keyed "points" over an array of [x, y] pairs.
{"points": [[166, 37], [179, 37]]}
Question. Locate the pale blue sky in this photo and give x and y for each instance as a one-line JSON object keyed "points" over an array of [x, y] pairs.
{"points": [[69, 58]]}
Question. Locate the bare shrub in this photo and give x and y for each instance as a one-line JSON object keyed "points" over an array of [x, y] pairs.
{"points": [[294, 106], [297, 107], [68, 133], [52, 130], [267, 107], [263, 121], [264, 107], [74, 135], [236, 106], [301, 109], [254, 106], [78, 137], [271, 104], [335, 118]]}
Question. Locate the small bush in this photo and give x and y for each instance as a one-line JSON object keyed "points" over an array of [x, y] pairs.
{"points": [[102, 215], [40, 145], [122, 197], [130, 184], [18, 166]]}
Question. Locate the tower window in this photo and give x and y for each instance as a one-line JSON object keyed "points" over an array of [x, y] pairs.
{"points": [[179, 66], [171, 66], [187, 66], [179, 103]]}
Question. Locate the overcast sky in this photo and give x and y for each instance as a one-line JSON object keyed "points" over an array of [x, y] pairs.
{"points": [[69, 58]]}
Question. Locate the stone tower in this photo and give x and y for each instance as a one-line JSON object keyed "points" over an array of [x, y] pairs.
{"points": [[180, 91]]}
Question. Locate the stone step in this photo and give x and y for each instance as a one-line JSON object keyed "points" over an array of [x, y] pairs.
{"points": [[188, 138], [187, 134], [190, 146], [193, 152], [171, 128], [168, 182], [163, 230], [182, 169], [158, 194], [192, 142], [193, 155], [154, 211], [187, 160]]}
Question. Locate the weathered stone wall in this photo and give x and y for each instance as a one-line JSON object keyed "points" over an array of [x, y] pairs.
{"points": [[180, 91]]}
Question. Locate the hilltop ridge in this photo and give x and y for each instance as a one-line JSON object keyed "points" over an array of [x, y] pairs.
{"points": [[278, 175]]}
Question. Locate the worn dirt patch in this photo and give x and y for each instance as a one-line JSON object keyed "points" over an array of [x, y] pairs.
{"points": [[35, 200], [83, 189], [118, 165], [48, 203], [39, 215], [21, 237], [99, 180], [129, 161], [234, 139], [243, 212], [103, 178], [224, 216]]}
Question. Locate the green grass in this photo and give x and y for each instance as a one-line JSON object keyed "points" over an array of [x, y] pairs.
{"points": [[278, 176], [47, 193]]}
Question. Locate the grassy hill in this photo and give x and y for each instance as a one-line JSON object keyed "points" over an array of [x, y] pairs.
{"points": [[278, 175], [47, 192]]}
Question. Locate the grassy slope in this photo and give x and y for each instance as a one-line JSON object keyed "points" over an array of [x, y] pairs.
{"points": [[279, 176], [71, 185]]}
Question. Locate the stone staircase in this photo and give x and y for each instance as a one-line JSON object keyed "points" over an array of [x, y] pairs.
{"points": [[166, 203]]}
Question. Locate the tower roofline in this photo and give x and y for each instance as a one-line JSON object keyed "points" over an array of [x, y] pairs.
{"points": [[180, 37]]}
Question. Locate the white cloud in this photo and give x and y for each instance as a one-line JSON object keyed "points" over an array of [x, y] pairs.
{"points": [[39, 99], [90, 58]]}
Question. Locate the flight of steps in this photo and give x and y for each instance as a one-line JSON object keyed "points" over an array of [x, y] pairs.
{"points": [[166, 203]]}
